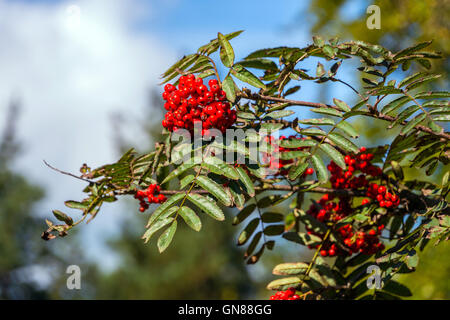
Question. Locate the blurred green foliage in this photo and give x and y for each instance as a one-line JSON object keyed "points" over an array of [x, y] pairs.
{"points": [[198, 265], [431, 279], [403, 23]]}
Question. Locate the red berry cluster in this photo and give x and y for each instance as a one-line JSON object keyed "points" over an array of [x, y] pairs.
{"points": [[365, 242], [326, 210], [289, 294], [192, 102], [344, 179], [279, 166], [152, 194], [384, 198]]}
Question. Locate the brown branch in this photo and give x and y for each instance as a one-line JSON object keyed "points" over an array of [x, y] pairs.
{"points": [[255, 96], [68, 173]]}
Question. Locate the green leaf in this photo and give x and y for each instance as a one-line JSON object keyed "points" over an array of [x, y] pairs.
{"points": [[182, 64], [395, 104], [166, 237], [318, 122], [76, 205], [397, 288], [329, 51], [297, 143], [215, 189], [243, 214], [259, 63], [274, 230], [229, 87], [237, 194], [440, 117], [163, 207], [219, 167], [296, 171], [246, 76], [206, 74], [311, 222], [271, 127], [251, 247], [303, 238], [247, 232], [179, 170], [268, 217], [206, 205], [313, 132], [411, 78], [341, 105], [343, 142], [320, 70], [318, 41], [279, 114], [398, 171], [432, 95], [319, 168], [348, 129], [155, 227], [186, 180], [422, 81], [412, 260], [285, 283], [292, 90], [214, 44], [384, 90], [255, 258], [412, 49], [226, 51], [290, 268], [61, 216], [414, 122], [327, 111], [191, 218], [246, 181], [246, 115], [333, 154], [293, 155]]}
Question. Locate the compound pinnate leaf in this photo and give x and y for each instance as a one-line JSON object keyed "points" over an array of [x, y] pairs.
{"points": [[226, 51], [191, 218], [248, 231], [166, 237], [155, 227], [246, 76], [206, 205], [61, 216], [163, 207], [290, 268], [215, 189], [319, 168]]}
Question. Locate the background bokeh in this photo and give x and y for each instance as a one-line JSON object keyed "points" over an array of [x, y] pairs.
{"points": [[79, 84]]}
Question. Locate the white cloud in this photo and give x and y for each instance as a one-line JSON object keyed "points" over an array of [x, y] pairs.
{"points": [[70, 73]]}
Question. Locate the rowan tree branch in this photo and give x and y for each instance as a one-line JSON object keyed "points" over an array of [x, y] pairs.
{"points": [[255, 96]]}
